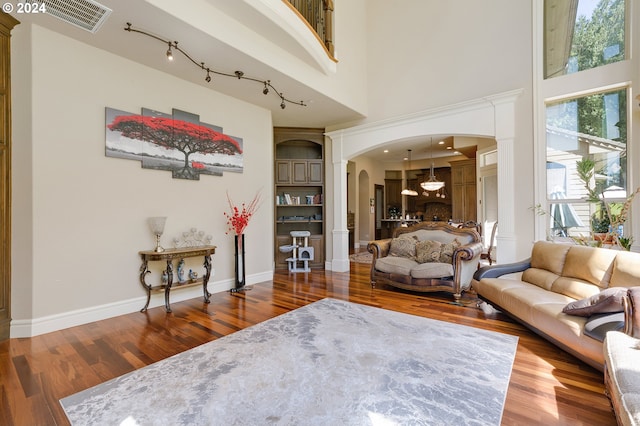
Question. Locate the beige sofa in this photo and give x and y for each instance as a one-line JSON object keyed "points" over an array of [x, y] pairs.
{"points": [[428, 256], [537, 292]]}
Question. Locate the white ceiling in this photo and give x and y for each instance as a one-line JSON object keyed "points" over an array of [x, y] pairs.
{"points": [[320, 112]]}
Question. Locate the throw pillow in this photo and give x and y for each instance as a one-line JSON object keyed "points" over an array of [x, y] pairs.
{"points": [[597, 326], [403, 247], [446, 254], [428, 251], [607, 301]]}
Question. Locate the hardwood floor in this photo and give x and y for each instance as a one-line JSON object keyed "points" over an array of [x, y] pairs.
{"points": [[547, 387]]}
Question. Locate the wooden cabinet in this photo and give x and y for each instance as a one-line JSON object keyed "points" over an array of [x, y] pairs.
{"points": [[299, 172], [7, 23], [299, 190], [393, 198], [463, 190]]}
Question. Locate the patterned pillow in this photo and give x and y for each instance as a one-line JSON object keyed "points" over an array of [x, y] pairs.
{"points": [[428, 251], [446, 254], [403, 247]]}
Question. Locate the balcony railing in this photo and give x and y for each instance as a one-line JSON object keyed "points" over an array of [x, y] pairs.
{"points": [[319, 16]]}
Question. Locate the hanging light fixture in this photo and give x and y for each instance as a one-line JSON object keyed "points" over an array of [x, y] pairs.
{"points": [[432, 184], [407, 191]]}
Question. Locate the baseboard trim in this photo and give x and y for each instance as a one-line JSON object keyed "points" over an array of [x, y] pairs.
{"points": [[36, 326]]}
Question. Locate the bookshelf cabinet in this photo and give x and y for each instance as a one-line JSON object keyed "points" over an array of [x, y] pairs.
{"points": [[299, 190]]}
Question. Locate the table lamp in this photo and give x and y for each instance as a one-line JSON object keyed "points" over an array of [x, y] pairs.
{"points": [[157, 227]]}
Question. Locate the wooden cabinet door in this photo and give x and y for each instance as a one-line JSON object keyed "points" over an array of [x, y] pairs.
{"points": [[283, 172], [299, 172], [314, 172], [393, 187]]}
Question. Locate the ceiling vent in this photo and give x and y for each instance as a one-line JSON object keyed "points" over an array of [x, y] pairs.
{"points": [[86, 14]]}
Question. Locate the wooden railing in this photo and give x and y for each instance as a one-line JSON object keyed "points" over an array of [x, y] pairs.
{"points": [[319, 16]]}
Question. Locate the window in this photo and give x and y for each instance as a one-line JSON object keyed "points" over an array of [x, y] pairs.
{"points": [[593, 128], [582, 34], [585, 131]]}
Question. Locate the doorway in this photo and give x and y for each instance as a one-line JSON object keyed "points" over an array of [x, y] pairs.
{"points": [[379, 210]]}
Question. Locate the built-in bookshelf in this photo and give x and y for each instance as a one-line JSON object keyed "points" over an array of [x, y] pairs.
{"points": [[299, 190]]}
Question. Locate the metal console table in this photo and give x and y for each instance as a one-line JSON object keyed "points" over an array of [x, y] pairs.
{"points": [[169, 255]]}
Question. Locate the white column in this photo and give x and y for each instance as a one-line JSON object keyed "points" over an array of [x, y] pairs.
{"points": [[340, 233], [504, 116]]}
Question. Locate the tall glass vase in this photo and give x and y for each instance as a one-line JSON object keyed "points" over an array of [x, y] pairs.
{"points": [[240, 279]]}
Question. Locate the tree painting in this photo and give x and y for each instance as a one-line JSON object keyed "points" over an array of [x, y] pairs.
{"points": [[186, 148]]}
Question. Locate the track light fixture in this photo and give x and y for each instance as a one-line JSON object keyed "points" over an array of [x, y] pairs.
{"points": [[238, 74], [169, 53]]}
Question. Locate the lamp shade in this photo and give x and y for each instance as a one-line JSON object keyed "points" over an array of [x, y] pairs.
{"points": [[410, 192], [432, 184]]}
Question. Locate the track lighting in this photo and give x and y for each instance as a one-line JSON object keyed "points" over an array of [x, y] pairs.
{"points": [[237, 74]]}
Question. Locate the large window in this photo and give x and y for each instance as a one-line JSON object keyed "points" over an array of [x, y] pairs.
{"points": [[582, 34], [586, 131], [591, 128]]}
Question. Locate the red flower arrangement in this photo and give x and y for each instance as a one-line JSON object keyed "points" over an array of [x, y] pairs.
{"points": [[238, 219]]}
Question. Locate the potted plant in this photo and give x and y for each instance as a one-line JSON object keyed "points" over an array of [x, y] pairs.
{"points": [[605, 225]]}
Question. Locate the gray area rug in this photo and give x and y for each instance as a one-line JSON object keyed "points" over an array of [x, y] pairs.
{"points": [[328, 363]]}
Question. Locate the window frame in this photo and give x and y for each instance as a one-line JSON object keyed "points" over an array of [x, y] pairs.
{"points": [[624, 74]]}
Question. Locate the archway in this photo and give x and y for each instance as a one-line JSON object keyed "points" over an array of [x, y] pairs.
{"points": [[492, 116]]}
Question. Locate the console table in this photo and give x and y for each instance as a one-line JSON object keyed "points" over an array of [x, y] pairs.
{"points": [[169, 255]]}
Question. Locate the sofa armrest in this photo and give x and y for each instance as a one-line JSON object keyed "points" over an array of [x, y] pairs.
{"points": [[379, 248], [465, 263], [468, 252], [496, 271], [632, 312]]}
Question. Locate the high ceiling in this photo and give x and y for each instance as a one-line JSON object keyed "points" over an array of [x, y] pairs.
{"points": [[320, 111]]}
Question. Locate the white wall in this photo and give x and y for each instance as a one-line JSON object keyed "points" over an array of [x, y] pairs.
{"points": [[80, 218], [427, 54]]}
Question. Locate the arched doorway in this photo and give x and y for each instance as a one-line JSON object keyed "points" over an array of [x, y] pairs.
{"points": [[492, 116]]}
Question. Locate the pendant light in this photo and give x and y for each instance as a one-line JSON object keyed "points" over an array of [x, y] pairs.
{"points": [[432, 184], [406, 190]]}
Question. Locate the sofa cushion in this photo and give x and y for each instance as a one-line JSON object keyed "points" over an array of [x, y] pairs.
{"points": [[549, 256], [446, 254], [574, 287], [432, 270], [625, 270], [540, 277], [621, 354], [395, 265], [403, 247], [428, 251], [589, 264], [597, 326], [607, 301]]}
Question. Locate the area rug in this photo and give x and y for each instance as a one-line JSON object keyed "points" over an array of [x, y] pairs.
{"points": [[328, 363], [361, 257]]}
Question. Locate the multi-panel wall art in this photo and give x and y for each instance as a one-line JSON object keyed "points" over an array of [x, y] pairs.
{"points": [[178, 142]]}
